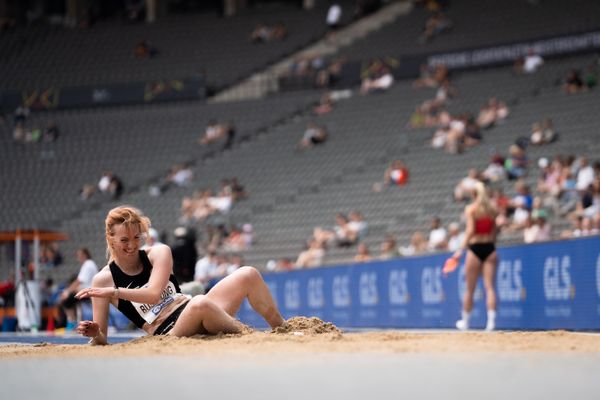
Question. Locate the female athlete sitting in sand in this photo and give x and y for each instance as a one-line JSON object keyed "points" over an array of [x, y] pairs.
{"points": [[141, 284]]}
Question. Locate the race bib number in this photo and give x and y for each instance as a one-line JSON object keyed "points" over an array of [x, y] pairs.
{"points": [[149, 312]]}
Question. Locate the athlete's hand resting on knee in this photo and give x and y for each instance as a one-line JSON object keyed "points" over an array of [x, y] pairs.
{"points": [[105, 292]]}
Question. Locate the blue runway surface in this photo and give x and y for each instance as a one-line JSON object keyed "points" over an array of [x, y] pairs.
{"points": [[43, 337]]}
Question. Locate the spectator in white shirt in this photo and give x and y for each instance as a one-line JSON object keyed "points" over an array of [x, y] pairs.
{"points": [[437, 235], [585, 175], [87, 271], [532, 62], [455, 236], [334, 16]]}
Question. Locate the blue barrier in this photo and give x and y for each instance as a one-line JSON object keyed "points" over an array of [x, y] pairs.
{"points": [[553, 285]]}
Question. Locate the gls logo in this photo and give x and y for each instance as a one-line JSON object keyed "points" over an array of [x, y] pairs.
{"points": [[292, 294], [341, 291], [315, 297], [510, 284], [368, 289], [398, 289], [557, 279], [431, 285]]}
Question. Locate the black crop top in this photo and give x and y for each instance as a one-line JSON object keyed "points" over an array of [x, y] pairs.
{"points": [[139, 313]]}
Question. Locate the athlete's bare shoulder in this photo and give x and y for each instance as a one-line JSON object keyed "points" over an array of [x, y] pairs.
{"points": [[103, 278], [469, 208], [158, 251]]}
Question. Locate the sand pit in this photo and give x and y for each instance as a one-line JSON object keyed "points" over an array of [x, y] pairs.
{"points": [[311, 335]]}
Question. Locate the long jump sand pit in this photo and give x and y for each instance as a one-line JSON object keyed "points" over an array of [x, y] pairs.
{"points": [[311, 335], [313, 359]]}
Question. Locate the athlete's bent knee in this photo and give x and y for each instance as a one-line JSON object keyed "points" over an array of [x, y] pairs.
{"points": [[249, 273], [201, 304]]}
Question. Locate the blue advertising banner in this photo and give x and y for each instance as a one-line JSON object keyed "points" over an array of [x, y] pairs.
{"points": [[552, 285]]}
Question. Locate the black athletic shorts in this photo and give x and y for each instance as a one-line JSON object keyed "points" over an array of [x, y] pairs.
{"points": [[482, 250], [168, 323]]}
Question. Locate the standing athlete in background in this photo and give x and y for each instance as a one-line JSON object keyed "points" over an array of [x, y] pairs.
{"points": [[479, 241]]}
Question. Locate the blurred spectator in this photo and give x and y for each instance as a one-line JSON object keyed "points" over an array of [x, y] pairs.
{"points": [[472, 132], [357, 225], [494, 172], [51, 132], [50, 255], [111, 184], [492, 113], [362, 253], [431, 77], [334, 16], [573, 82], [536, 230], [20, 115], [282, 265], [215, 131], [418, 245], [87, 191], [522, 195], [235, 262], [248, 235], [568, 196], [516, 162], [234, 242], [82, 280], [346, 232], [582, 226], [378, 78], [152, 239], [585, 174], [591, 76], [184, 253], [144, 50], [437, 235], [532, 62], [395, 174], [500, 200], [452, 136], [589, 202], [264, 33], [543, 132], [328, 100], [520, 216], [313, 135], [443, 94], [19, 133], [325, 105], [464, 189], [455, 237], [7, 290], [388, 248], [179, 175], [435, 25], [135, 9], [420, 118], [206, 268], [49, 292], [312, 256]]}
